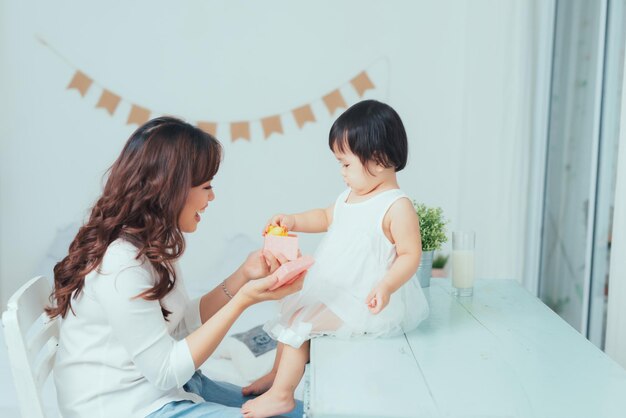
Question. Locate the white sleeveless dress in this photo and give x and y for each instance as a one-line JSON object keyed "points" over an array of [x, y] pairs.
{"points": [[353, 257]]}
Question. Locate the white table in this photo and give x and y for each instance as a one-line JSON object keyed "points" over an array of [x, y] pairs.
{"points": [[501, 353]]}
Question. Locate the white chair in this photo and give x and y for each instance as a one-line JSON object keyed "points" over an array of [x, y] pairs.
{"points": [[32, 341]]}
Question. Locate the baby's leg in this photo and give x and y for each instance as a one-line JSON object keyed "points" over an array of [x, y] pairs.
{"points": [[279, 399], [262, 384], [323, 319]]}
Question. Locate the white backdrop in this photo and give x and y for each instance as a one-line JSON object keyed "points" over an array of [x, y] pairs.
{"points": [[459, 73]]}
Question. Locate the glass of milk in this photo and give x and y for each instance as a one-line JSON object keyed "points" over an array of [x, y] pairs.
{"points": [[463, 262]]}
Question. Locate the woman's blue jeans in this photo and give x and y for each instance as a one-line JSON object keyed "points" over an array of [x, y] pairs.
{"points": [[223, 400]]}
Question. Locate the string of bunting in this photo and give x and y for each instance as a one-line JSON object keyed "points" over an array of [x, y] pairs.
{"points": [[272, 124], [239, 129]]}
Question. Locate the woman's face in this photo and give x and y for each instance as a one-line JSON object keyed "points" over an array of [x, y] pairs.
{"points": [[197, 200]]}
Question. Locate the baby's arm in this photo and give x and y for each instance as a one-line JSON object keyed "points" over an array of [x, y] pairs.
{"points": [[405, 232], [314, 220]]}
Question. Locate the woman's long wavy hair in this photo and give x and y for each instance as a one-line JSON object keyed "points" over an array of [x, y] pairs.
{"points": [[145, 192]]}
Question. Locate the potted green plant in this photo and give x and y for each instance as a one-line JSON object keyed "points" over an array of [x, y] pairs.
{"points": [[439, 262], [433, 231]]}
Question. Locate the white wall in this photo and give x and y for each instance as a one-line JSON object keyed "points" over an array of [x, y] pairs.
{"points": [[456, 71]]}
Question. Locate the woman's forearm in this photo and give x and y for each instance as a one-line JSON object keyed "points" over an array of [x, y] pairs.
{"points": [[213, 301], [203, 341]]}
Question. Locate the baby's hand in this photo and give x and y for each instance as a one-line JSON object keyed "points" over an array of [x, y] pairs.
{"points": [[378, 298], [286, 221]]}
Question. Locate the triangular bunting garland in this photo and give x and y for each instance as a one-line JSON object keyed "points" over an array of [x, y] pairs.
{"points": [[270, 125]]}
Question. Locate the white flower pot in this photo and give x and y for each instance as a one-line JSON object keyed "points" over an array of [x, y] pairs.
{"points": [[424, 271]]}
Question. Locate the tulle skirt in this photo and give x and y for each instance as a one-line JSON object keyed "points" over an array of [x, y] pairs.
{"points": [[326, 308]]}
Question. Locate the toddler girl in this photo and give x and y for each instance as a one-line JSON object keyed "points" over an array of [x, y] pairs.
{"points": [[361, 283]]}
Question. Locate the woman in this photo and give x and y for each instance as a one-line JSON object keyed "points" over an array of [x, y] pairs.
{"points": [[131, 340]]}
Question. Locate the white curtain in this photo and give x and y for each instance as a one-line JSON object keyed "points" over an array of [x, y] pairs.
{"points": [[501, 159], [616, 319]]}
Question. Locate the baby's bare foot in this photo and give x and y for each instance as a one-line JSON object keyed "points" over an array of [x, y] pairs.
{"points": [[272, 402], [259, 386]]}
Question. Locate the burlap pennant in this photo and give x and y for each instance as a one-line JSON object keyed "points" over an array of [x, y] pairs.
{"points": [[271, 124], [108, 101], [240, 130], [208, 127], [80, 82], [362, 83], [138, 115], [333, 101], [303, 115]]}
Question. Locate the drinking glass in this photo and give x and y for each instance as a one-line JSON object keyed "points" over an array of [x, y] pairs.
{"points": [[463, 243]]}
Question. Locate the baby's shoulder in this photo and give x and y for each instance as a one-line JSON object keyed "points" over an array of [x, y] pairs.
{"points": [[341, 198], [403, 206]]}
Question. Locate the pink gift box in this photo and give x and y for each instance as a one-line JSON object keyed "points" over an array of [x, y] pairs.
{"points": [[285, 245], [288, 272]]}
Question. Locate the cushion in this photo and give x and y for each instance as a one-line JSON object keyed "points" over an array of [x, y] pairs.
{"points": [[252, 352]]}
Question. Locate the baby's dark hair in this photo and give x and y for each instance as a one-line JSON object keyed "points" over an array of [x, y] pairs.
{"points": [[372, 131]]}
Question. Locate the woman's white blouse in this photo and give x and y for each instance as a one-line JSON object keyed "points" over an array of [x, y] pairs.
{"points": [[118, 356]]}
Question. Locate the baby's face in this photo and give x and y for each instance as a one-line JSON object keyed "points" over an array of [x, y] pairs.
{"points": [[360, 178]]}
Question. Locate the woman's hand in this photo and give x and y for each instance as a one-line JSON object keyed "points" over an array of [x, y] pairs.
{"points": [[261, 263], [256, 291], [378, 298]]}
